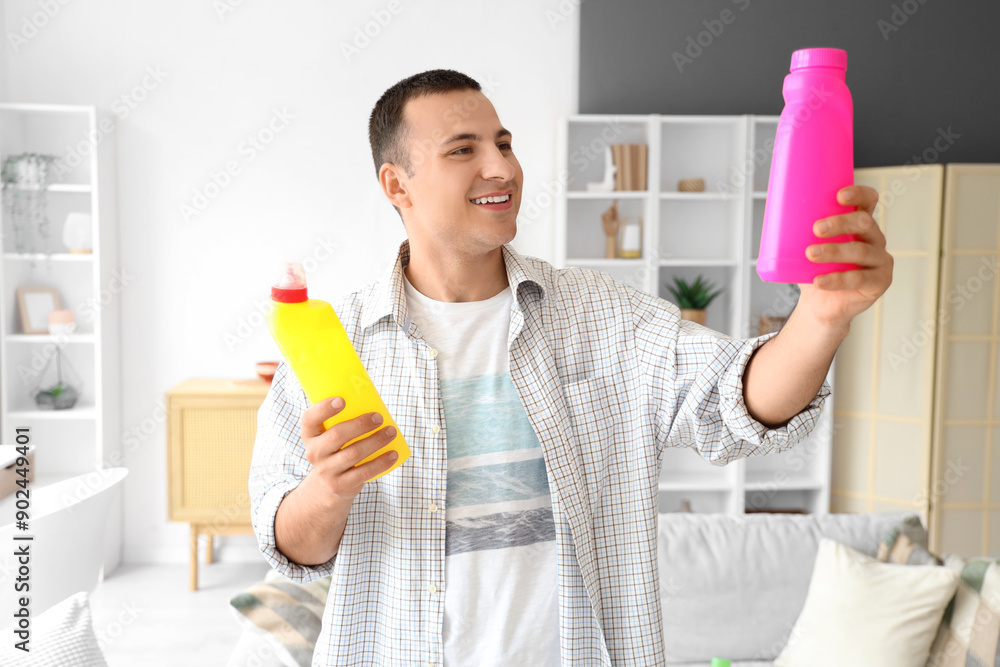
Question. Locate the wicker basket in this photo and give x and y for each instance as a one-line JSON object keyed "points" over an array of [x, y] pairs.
{"points": [[691, 185]]}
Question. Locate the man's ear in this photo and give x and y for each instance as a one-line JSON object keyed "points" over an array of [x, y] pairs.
{"points": [[392, 179]]}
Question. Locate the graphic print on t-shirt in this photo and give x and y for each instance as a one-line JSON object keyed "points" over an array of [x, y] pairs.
{"points": [[498, 491]]}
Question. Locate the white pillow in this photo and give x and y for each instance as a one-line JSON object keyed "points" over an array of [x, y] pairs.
{"points": [[862, 612], [62, 635]]}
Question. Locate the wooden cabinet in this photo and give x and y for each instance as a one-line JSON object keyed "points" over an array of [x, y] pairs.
{"points": [[211, 427]]}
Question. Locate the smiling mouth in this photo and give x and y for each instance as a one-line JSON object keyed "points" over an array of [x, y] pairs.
{"points": [[501, 199]]}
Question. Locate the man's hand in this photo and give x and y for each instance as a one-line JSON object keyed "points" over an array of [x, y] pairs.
{"points": [[333, 463], [834, 299]]}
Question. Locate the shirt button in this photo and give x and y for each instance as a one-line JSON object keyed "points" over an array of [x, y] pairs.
{"points": [[434, 353], [432, 589], [433, 507], [435, 428]]}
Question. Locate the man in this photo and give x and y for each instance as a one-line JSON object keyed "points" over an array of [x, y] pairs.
{"points": [[536, 403]]}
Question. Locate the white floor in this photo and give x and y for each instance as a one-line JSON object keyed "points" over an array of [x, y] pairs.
{"points": [[146, 615]]}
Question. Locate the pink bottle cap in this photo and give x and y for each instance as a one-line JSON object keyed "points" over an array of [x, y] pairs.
{"points": [[289, 284], [819, 58]]}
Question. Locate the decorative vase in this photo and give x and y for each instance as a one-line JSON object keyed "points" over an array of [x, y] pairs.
{"points": [[630, 244], [62, 322], [78, 233], [696, 315], [58, 386]]}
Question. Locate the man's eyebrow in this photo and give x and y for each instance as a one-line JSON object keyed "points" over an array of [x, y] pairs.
{"points": [[469, 136]]}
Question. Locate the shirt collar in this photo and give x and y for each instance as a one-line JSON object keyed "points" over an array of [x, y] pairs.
{"points": [[388, 297]]}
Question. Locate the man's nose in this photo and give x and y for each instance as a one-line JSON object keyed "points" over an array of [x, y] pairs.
{"points": [[498, 166]]}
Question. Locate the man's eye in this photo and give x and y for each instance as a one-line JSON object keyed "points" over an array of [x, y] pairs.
{"points": [[507, 144], [456, 152]]}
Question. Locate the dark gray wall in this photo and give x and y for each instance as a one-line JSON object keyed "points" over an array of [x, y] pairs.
{"points": [[940, 69]]}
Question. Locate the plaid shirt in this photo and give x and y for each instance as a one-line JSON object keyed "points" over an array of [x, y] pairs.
{"points": [[608, 376]]}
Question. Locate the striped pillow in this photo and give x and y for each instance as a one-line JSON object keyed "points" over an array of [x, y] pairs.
{"points": [[969, 631], [287, 613], [906, 544]]}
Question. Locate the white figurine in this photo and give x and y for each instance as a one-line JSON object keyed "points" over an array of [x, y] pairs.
{"points": [[608, 184]]}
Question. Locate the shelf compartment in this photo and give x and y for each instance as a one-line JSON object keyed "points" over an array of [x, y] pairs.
{"points": [[716, 222], [721, 311], [59, 134], [23, 368], [74, 283], [587, 142], [585, 237], [712, 149], [59, 206]]}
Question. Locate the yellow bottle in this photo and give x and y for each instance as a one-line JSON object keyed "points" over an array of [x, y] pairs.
{"points": [[315, 345]]}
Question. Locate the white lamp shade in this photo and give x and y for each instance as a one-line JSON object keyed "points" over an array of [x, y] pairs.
{"points": [[78, 233]]}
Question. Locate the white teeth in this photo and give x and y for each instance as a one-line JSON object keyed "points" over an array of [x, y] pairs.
{"points": [[491, 200]]}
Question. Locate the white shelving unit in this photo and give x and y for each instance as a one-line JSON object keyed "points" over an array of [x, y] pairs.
{"points": [[86, 437], [716, 234]]}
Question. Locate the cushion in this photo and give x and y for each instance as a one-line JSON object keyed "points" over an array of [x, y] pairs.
{"points": [[862, 612], [749, 574], [906, 544], [289, 615], [62, 635], [971, 626]]}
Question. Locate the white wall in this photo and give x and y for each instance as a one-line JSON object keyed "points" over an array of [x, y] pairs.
{"points": [[221, 69]]}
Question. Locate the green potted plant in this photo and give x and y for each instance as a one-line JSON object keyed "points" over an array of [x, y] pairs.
{"points": [[693, 298]]}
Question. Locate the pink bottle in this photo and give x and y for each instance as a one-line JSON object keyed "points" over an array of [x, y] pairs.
{"points": [[813, 159]]}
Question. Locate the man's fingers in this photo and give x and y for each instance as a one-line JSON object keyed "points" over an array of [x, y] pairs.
{"points": [[317, 413], [853, 252], [862, 196], [361, 474], [338, 435], [861, 224]]}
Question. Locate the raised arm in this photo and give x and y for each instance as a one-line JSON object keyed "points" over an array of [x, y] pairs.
{"points": [[784, 374]]}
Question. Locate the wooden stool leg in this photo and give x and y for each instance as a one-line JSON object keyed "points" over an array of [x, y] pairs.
{"points": [[194, 556], [209, 548]]}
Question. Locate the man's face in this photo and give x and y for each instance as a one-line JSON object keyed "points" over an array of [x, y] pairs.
{"points": [[459, 152]]}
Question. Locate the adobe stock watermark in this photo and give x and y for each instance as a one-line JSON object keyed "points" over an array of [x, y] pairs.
{"points": [[122, 107], [248, 324], [714, 28], [254, 144], [31, 26], [363, 35], [957, 297], [898, 17], [564, 10], [225, 7], [127, 614]]}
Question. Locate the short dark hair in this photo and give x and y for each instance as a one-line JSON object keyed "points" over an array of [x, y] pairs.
{"points": [[386, 130]]}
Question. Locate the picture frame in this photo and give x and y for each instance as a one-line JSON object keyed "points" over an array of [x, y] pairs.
{"points": [[35, 304]]}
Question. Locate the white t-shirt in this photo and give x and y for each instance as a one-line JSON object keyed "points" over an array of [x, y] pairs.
{"points": [[501, 598]]}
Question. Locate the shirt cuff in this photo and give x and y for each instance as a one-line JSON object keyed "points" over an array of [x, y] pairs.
{"points": [[739, 422], [264, 527]]}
